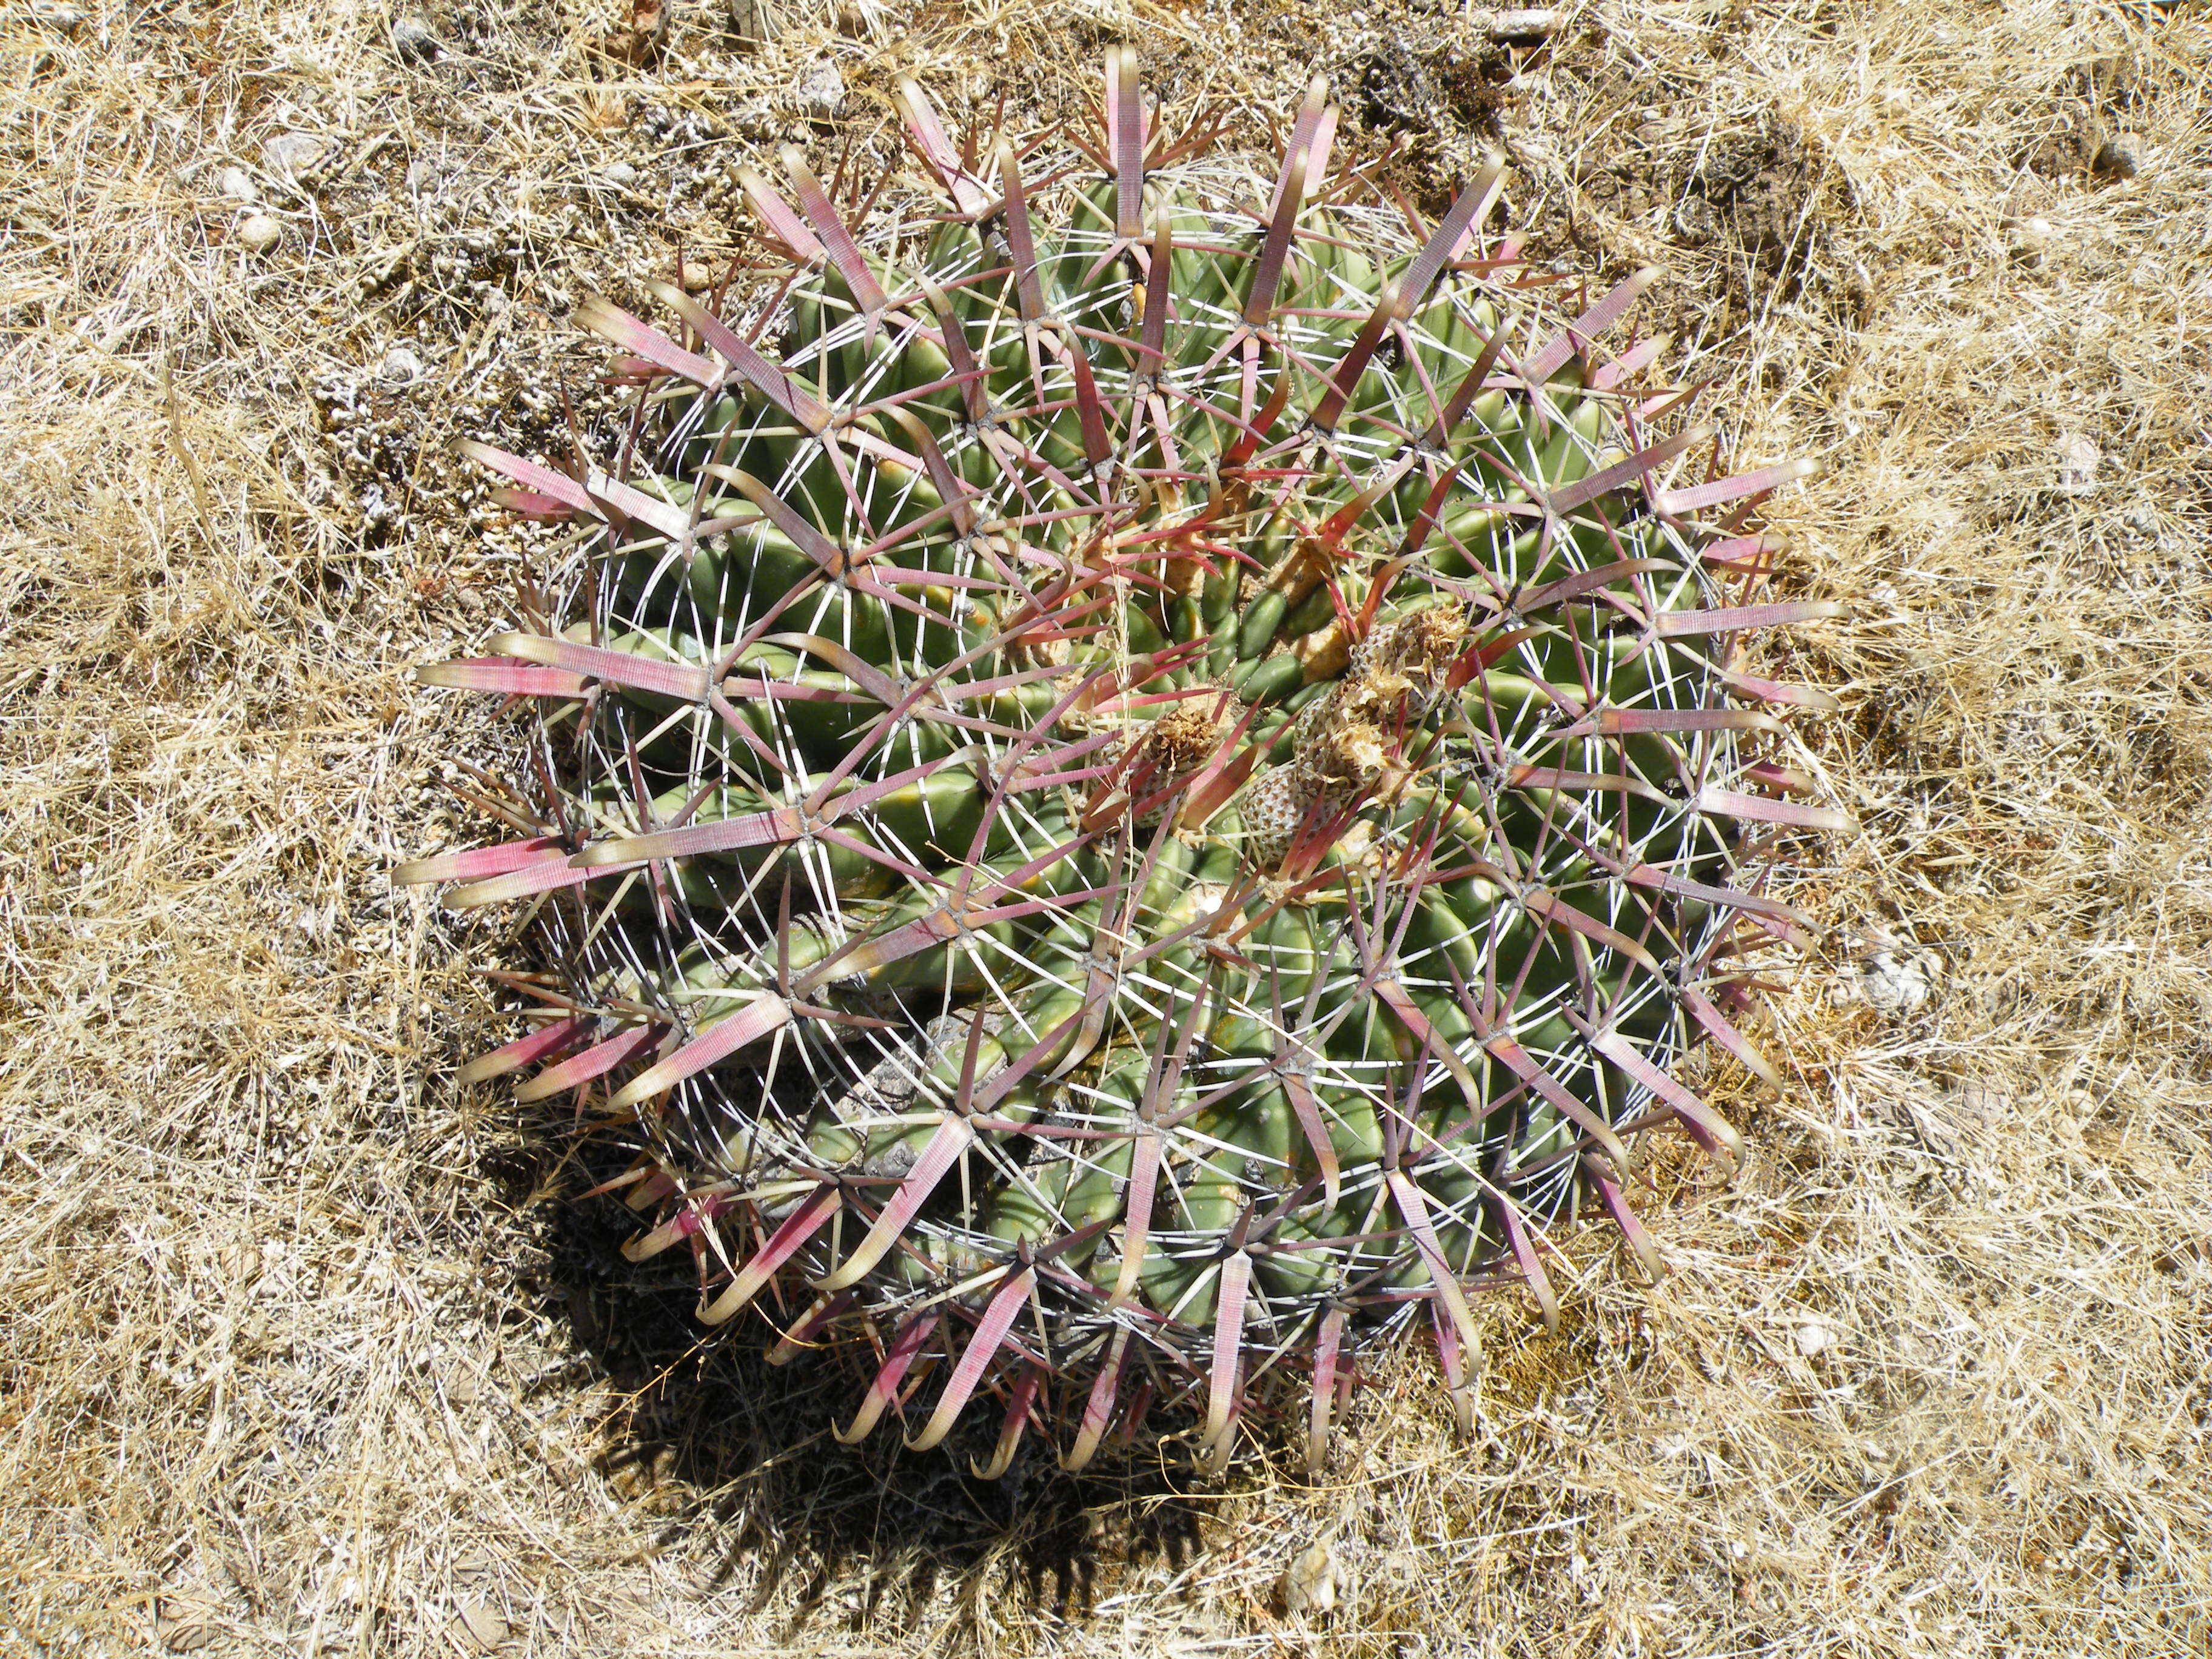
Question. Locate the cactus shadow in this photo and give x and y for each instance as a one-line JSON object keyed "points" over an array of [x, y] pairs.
{"points": [[787, 1523]]}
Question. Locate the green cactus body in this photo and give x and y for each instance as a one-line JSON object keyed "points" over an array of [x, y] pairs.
{"points": [[1176, 768]]}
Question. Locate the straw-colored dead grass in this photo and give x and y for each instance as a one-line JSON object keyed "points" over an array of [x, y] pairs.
{"points": [[300, 1356]]}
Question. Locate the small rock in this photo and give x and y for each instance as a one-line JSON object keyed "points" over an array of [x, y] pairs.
{"points": [[621, 175], [293, 155], [822, 90], [1893, 987], [1889, 979], [754, 21], [2078, 456], [477, 1628], [1979, 1106], [414, 40], [258, 233], [187, 1623], [1523, 25], [1814, 1339], [696, 275], [1313, 1582], [400, 367], [236, 185], [2116, 158]]}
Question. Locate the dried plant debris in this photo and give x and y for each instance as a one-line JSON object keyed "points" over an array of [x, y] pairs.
{"points": [[305, 1347]]}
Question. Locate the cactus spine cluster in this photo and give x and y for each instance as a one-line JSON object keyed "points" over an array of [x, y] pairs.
{"points": [[1150, 798]]}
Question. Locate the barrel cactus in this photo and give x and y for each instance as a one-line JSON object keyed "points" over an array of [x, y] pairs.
{"points": [[1138, 786]]}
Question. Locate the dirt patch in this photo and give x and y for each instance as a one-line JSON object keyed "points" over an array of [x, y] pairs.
{"points": [[1757, 210], [1768, 195], [1425, 88], [2087, 130]]}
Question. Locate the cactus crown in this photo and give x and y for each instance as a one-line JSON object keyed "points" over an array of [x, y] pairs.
{"points": [[1151, 798]]}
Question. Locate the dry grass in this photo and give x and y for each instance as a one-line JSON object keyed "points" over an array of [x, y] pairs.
{"points": [[300, 1355]]}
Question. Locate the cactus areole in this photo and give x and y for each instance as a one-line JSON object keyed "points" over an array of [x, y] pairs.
{"points": [[1139, 788]]}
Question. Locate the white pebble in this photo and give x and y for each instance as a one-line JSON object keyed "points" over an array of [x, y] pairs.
{"points": [[1893, 983], [822, 90], [236, 185], [258, 233], [400, 365], [1814, 1339], [621, 175]]}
